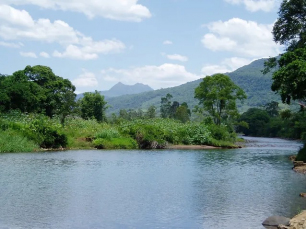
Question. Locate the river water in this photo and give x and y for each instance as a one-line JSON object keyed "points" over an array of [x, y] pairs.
{"points": [[210, 189]]}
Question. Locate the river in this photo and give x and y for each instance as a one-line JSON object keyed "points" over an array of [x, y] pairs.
{"points": [[220, 189]]}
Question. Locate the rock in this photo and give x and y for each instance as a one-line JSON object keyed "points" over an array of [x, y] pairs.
{"points": [[302, 194], [276, 220], [298, 221], [282, 227], [298, 163], [292, 158]]}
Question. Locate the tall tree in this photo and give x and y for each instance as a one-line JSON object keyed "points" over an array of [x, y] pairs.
{"points": [[165, 106], [290, 69], [217, 94], [92, 105]]}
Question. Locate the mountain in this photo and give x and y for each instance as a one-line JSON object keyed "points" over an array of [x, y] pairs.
{"points": [[122, 89], [256, 85]]}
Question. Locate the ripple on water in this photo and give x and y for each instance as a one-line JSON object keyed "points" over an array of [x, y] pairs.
{"points": [[151, 189]]}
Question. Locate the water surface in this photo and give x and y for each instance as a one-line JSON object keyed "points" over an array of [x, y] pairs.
{"points": [[151, 189]]}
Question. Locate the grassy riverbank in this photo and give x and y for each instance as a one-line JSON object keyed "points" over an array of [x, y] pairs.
{"points": [[33, 132]]}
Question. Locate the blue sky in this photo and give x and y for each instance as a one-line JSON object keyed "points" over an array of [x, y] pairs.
{"points": [[161, 43]]}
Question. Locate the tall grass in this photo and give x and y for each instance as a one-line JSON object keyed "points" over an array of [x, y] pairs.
{"points": [[12, 141]]}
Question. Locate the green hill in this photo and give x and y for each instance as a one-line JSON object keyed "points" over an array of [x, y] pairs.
{"points": [[256, 85]]}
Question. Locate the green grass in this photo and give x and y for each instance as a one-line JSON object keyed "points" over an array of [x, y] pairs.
{"points": [[11, 141], [29, 132], [115, 143]]}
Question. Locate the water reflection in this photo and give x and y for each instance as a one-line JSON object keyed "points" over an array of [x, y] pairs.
{"points": [[149, 189]]}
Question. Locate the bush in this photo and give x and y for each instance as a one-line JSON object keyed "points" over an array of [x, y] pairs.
{"points": [[108, 133], [301, 154], [115, 143], [13, 141]]}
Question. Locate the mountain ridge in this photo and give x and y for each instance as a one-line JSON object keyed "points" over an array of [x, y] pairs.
{"points": [[250, 78]]}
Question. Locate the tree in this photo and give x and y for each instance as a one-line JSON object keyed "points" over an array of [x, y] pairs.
{"points": [[257, 120], [151, 112], [290, 69], [92, 105], [217, 94], [290, 27], [165, 106], [272, 108], [183, 113]]}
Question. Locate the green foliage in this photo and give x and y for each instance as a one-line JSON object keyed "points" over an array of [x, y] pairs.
{"points": [[257, 120], [13, 141], [37, 89], [115, 143], [44, 131], [290, 79], [92, 105], [108, 133], [165, 106], [301, 156], [290, 27], [272, 108], [218, 94], [161, 131]]}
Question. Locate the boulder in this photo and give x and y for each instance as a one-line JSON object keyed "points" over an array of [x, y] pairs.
{"points": [[276, 220], [302, 194]]}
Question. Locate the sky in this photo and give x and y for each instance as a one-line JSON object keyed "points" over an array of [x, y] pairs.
{"points": [[160, 43]]}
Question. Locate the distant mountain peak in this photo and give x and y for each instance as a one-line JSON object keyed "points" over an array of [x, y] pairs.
{"points": [[122, 89]]}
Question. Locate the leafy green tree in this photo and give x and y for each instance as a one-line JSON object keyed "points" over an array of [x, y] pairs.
{"points": [[290, 27], [57, 91], [92, 105], [217, 94], [272, 108], [290, 69], [165, 106], [151, 112], [257, 120], [183, 113]]}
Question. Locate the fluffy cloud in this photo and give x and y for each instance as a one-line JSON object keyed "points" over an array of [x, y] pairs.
{"points": [[126, 10], [246, 38], [18, 24], [86, 79], [10, 44], [256, 5], [167, 75], [28, 54], [227, 65], [167, 42], [177, 57], [44, 54]]}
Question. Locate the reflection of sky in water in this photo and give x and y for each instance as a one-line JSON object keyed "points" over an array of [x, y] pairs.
{"points": [[150, 189]]}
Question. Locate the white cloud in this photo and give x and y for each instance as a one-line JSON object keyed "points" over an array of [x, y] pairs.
{"points": [[12, 27], [245, 38], [256, 5], [177, 57], [125, 10], [10, 44], [167, 75], [28, 54], [167, 42], [86, 79], [227, 65], [44, 54]]}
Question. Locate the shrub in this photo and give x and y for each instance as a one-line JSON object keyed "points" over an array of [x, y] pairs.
{"points": [[13, 141], [301, 154], [115, 143]]}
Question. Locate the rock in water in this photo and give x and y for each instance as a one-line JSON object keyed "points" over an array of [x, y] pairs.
{"points": [[276, 220]]}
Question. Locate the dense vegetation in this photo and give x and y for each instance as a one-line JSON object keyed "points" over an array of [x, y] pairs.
{"points": [[39, 110]]}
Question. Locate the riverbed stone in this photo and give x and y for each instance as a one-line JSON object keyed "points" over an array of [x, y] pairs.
{"points": [[276, 220]]}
